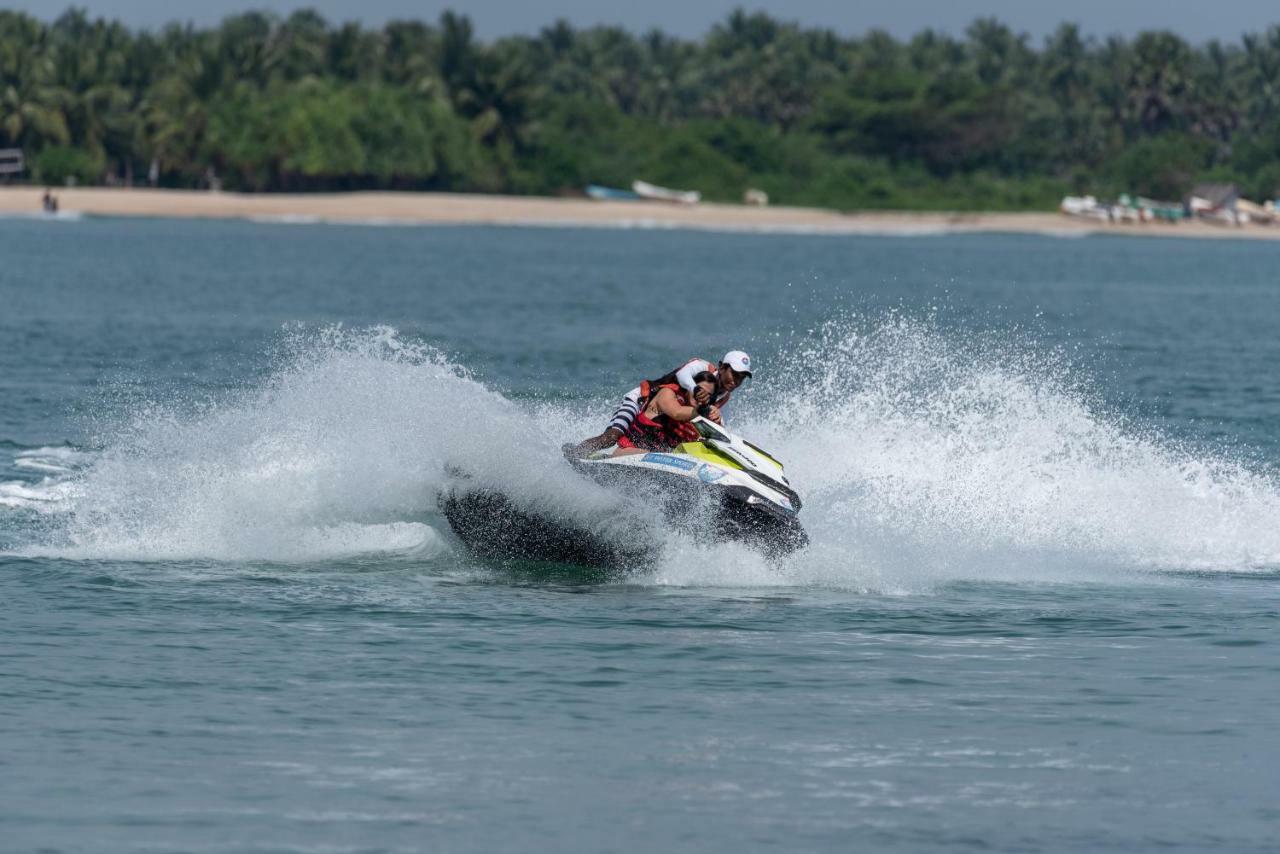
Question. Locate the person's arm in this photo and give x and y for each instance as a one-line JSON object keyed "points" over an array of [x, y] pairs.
{"points": [[715, 414], [692, 368], [667, 403]]}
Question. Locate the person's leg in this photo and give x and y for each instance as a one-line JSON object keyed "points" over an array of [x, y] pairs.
{"points": [[608, 438], [619, 424]]}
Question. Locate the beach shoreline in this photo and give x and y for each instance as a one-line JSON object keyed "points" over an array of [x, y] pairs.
{"points": [[405, 208]]}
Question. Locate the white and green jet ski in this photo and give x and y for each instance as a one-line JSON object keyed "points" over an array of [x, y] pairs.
{"points": [[720, 478], [719, 486]]}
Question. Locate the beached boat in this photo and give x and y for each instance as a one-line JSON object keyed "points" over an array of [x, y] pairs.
{"points": [[1253, 212], [1125, 209], [1084, 206], [610, 194], [1215, 203], [1153, 209], [663, 194]]}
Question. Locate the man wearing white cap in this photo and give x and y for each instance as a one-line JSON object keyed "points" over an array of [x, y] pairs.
{"points": [[733, 369]]}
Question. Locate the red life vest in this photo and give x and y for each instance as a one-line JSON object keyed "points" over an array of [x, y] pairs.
{"points": [[661, 432]]}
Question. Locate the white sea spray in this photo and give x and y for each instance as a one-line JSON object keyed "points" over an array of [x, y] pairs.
{"points": [[922, 458]]}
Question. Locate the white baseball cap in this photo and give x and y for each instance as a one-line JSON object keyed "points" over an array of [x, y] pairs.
{"points": [[738, 360]]}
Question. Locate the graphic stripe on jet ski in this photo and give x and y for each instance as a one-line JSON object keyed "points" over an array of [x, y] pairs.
{"points": [[669, 460], [699, 451]]}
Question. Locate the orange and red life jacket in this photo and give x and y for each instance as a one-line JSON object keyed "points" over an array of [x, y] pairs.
{"points": [[661, 432]]}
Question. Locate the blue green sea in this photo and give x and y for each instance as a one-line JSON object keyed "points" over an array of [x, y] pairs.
{"points": [[1039, 611]]}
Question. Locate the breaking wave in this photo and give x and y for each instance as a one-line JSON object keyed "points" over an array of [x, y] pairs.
{"points": [[342, 451], [922, 459]]}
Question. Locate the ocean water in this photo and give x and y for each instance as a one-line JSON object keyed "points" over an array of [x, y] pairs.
{"points": [[1039, 611]]}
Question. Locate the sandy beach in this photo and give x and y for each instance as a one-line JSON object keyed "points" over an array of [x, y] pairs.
{"points": [[463, 209]]}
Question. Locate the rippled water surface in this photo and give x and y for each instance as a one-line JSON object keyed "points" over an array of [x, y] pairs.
{"points": [[1039, 610]]}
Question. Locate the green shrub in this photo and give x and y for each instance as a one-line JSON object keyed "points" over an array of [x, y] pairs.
{"points": [[1163, 167], [63, 165]]}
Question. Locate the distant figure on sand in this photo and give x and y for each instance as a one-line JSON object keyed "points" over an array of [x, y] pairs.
{"points": [[50, 202]]}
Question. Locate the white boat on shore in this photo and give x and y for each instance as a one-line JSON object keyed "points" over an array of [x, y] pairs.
{"points": [[1085, 206], [663, 194]]}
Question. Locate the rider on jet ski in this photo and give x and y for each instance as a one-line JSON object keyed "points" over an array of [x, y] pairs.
{"points": [[733, 369], [664, 421]]}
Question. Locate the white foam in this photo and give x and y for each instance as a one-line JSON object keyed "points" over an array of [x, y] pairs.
{"points": [[285, 545], [44, 216], [353, 429], [924, 459], [286, 219], [56, 460], [921, 460], [833, 228], [47, 496], [40, 465]]}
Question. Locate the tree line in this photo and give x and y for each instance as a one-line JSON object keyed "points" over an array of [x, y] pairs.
{"points": [[989, 120]]}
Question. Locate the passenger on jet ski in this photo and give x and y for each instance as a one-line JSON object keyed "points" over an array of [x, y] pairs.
{"points": [[733, 370], [664, 421]]}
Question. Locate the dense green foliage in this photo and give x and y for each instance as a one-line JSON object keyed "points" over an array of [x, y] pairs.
{"points": [[987, 121]]}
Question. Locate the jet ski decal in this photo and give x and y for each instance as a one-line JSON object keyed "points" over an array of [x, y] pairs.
{"points": [[709, 474], [669, 460]]}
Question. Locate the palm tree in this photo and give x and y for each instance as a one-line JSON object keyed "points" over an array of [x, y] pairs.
{"points": [[32, 108], [498, 99], [412, 57], [999, 56], [248, 48], [301, 46], [459, 54], [1159, 85], [1260, 76], [356, 54]]}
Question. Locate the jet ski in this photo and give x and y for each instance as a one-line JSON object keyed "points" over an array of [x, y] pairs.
{"points": [[719, 487], [720, 484]]}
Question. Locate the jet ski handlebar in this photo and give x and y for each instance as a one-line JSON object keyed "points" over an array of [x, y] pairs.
{"points": [[708, 429]]}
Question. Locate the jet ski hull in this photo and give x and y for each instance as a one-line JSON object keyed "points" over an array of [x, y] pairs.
{"points": [[719, 488], [491, 527], [700, 507], [775, 534]]}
